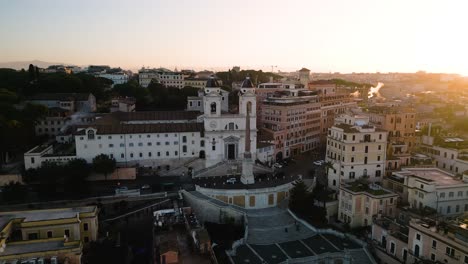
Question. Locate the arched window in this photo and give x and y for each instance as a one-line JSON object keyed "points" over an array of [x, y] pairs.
{"points": [[213, 108], [364, 173], [90, 134]]}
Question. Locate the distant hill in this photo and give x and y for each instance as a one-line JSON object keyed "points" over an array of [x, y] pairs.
{"points": [[18, 65]]}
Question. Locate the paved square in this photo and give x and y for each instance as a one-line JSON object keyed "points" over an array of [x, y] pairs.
{"points": [[270, 253], [341, 243], [319, 245], [295, 249], [245, 256]]}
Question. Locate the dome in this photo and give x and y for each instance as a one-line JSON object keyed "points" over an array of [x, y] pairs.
{"points": [[212, 83], [247, 83]]}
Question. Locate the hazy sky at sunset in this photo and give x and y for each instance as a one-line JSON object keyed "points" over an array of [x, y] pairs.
{"points": [[345, 36]]}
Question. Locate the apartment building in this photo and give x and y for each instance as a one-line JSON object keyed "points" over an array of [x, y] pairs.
{"points": [[331, 106], [123, 104], [421, 240], [430, 187], [360, 203], [293, 122], [450, 153], [166, 77], [356, 149], [47, 236], [401, 125]]}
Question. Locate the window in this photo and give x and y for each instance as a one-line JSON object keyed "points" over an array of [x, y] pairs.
{"points": [[122, 156], [352, 174], [460, 193], [158, 143], [49, 234], [67, 232], [130, 144], [141, 155], [392, 248], [131, 155], [184, 149], [432, 256], [32, 160], [90, 134], [380, 137], [149, 144], [442, 195], [457, 208], [353, 148], [167, 153], [450, 251], [176, 143], [450, 194], [352, 159], [184, 139], [122, 145], [176, 153], [109, 137], [448, 209], [418, 236], [32, 236], [167, 143], [149, 154], [111, 145], [85, 226], [378, 173], [140, 144], [366, 149], [159, 154], [365, 160], [434, 244], [213, 148], [202, 143], [380, 147]]}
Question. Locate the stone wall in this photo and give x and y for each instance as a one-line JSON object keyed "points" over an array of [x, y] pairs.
{"points": [[209, 211]]}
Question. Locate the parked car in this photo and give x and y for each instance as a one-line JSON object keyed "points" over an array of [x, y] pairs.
{"points": [[121, 189], [318, 162], [231, 180], [277, 166]]}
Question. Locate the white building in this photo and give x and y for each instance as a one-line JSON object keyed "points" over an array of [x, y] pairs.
{"points": [[150, 138], [431, 187], [116, 77], [355, 149], [196, 103]]}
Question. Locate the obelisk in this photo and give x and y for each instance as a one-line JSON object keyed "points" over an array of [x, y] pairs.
{"points": [[247, 176]]}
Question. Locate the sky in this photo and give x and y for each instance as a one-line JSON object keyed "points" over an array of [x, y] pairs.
{"points": [[324, 36]]}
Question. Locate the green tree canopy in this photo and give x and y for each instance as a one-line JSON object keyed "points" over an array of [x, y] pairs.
{"points": [[104, 164]]}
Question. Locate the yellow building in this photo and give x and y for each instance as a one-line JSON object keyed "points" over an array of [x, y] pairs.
{"points": [[55, 235], [359, 203]]}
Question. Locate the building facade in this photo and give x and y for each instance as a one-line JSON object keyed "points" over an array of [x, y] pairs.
{"points": [[293, 122], [430, 187], [360, 203], [73, 102], [47, 236], [356, 149]]}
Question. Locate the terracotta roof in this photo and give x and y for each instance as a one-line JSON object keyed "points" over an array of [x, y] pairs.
{"points": [[145, 128], [60, 96], [156, 115]]}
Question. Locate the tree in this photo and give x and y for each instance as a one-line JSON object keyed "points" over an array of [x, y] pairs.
{"points": [[327, 166], [14, 191], [31, 72], [104, 164], [75, 179], [300, 197]]}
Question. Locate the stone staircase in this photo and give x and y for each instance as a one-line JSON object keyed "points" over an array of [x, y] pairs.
{"points": [[269, 226]]}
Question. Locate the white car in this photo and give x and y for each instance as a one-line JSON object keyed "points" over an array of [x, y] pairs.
{"points": [[318, 163], [231, 180], [277, 165]]}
